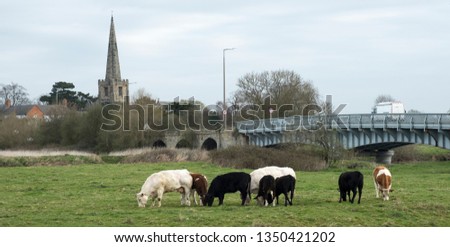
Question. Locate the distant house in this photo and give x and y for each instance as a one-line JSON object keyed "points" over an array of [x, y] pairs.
{"points": [[30, 111]]}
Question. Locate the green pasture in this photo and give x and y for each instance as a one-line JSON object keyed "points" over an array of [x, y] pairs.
{"points": [[104, 195]]}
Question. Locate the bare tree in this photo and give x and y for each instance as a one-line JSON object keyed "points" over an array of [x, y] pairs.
{"points": [[384, 98], [16, 93], [252, 88], [235, 102], [281, 87], [142, 97]]}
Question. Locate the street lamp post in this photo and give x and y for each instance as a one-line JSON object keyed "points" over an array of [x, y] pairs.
{"points": [[224, 50]]}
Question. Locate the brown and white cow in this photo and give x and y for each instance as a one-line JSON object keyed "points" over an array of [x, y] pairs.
{"points": [[199, 186], [382, 180]]}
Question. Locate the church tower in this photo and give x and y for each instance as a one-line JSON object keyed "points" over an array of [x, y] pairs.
{"points": [[112, 88]]}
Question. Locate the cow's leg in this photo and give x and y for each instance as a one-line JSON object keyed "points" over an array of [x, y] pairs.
{"points": [[290, 199], [269, 198], [343, 196], [185, 196], [266, 198], [354, 195], [182, 195], [192, 195], [272, 197], [195, 198], [376, 187], [159, 196], [181, 198], [199, 202], [221, 196], [244, 197]]}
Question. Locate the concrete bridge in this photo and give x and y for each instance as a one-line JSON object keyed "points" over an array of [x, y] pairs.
{"points": [[374, 133], [377, 133]]}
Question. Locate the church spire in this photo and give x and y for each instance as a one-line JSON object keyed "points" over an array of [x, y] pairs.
{"points": [[112, 64], [112, 88]]}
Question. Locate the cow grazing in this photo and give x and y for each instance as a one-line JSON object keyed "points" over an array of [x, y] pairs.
{"points": [[266, 190], [350, 181], [382, 180], [228, 183], [199, 187], [274, 171], [284, 185], [165, 181]]}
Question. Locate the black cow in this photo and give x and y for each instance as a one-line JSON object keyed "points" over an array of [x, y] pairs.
{"points": [[266, 190], [283, 185], [228, 183], [350, 181]]}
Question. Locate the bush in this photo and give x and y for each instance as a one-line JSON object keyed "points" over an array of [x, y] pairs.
{"points": [[18, 133], [298, 157], [414, 153]]}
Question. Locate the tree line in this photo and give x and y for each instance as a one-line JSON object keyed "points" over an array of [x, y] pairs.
{"points": [[61, 93], [279, 93], [79, 124]]}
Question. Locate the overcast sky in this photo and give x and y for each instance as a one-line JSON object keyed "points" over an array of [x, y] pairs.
{"points": [[353, 50]]}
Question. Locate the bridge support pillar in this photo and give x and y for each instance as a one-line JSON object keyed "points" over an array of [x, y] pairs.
{"points": [[384, 156]]}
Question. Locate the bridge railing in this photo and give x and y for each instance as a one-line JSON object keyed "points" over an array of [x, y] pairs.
{"points": [[391, 121], [347, 122]]}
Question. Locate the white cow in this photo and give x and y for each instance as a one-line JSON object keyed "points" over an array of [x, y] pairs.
{"points": [[165, 181], [275, 171]]}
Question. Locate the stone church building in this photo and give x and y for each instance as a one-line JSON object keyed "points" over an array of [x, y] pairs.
{"points": [[112, 88]]}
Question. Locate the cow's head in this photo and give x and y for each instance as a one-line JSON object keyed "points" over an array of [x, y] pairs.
{"points": [[343, 195], [202, 200], [385, 193], [208, 200], [141, 199], [270, 198]]}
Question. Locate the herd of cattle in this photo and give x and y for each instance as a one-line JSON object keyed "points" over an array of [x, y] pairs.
{"points": [[268, 183]]}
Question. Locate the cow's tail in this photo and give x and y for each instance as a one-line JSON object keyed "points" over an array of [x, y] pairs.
{"points": [[293, 188]]}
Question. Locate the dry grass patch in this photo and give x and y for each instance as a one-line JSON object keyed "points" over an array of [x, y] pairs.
{"points": [[44, 152], [165, 155]]}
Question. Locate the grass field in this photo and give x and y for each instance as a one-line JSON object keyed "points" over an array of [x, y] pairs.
{"points": [[104, 195]]}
